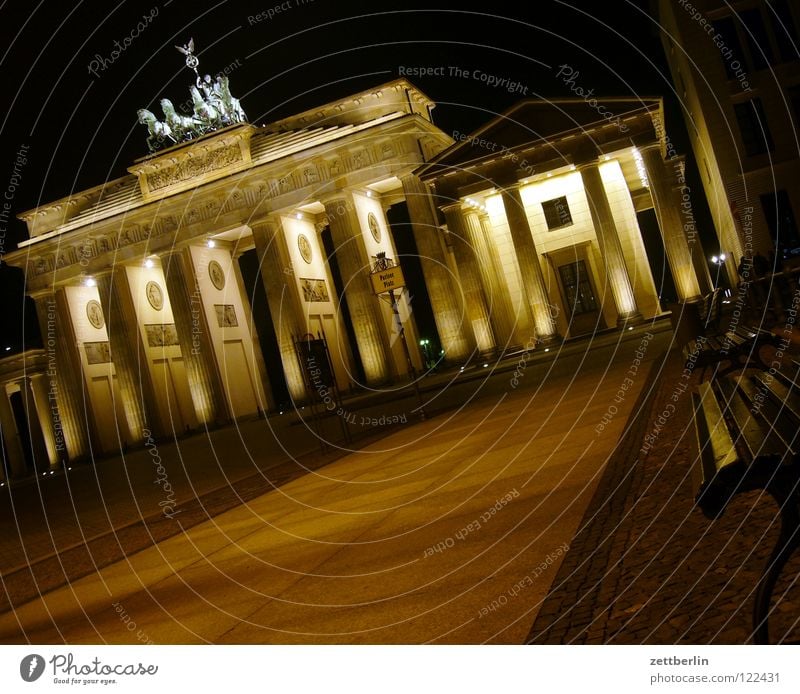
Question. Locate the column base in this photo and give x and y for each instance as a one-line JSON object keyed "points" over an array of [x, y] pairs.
{"points": [[630, 320], [549, 340]]}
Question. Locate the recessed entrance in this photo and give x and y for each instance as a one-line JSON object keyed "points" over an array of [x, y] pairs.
{"points": [[580, 303]]}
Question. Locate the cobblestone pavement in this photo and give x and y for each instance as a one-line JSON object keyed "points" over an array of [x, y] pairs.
{"points": [[646, 566]]}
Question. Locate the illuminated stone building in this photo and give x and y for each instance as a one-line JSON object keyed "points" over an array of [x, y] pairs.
{"points": [[527, 233], [735, 70]]}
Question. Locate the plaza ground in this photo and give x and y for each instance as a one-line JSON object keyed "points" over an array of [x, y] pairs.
{"points": [[521, 510]]}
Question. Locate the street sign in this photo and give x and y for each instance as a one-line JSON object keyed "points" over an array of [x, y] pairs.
{"points": [[387, 280]]}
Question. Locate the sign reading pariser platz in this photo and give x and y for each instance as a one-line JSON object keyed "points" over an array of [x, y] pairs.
{"points": [[388, 280]]}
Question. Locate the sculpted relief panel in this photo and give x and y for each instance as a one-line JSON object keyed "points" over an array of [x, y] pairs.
{"points": [[194, 167]]}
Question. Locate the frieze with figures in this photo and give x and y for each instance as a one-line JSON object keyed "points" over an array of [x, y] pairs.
{"points": [[194, 166], [243, 198]]}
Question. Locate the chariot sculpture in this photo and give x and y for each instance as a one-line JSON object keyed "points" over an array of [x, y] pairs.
{"points": [[213, 107]]}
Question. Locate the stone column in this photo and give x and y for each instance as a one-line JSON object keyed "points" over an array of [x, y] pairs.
{"points": [[202, 370], [669, 222], [128, 353], [610, 248], [15, 461], [683, 203], [71, 420], [528, 258], [501, 312], [468, 261], [365, 311], [39, 453], [457, 338], [49, 420], [281, 289]]}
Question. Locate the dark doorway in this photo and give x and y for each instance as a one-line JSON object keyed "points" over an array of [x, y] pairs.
{"points": [[267, 340], [656, 256], [422, 313], [327, 243], [579, 297], [18, 408]]}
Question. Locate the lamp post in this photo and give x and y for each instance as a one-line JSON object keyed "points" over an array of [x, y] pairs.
{"points": [[719, 262], [425, 344]]}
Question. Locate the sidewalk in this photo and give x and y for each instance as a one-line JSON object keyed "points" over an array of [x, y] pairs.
{"points": [[647, 567], [418, 537]]}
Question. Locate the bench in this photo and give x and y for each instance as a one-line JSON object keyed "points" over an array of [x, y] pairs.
{"points": [[747, 430], [710, 310], [738, 347]]}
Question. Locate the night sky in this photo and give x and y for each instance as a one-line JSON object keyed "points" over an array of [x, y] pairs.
{"points": [[80, 128]]}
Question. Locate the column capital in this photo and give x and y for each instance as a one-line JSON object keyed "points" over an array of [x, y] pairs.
{"points": [[41, 294], [582, 166], [338, 197], [508, 185], [272, 220], [452, 206], [649, 147], [174, 249]]}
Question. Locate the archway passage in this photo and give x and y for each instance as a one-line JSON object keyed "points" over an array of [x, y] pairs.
{"points": [[267, 340], [402, 232]]}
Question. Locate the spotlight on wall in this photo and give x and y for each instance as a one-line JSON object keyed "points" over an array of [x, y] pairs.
{"points": [[211, 243], [299, 215], [369, 193], [149, 263], [89, 282]]}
